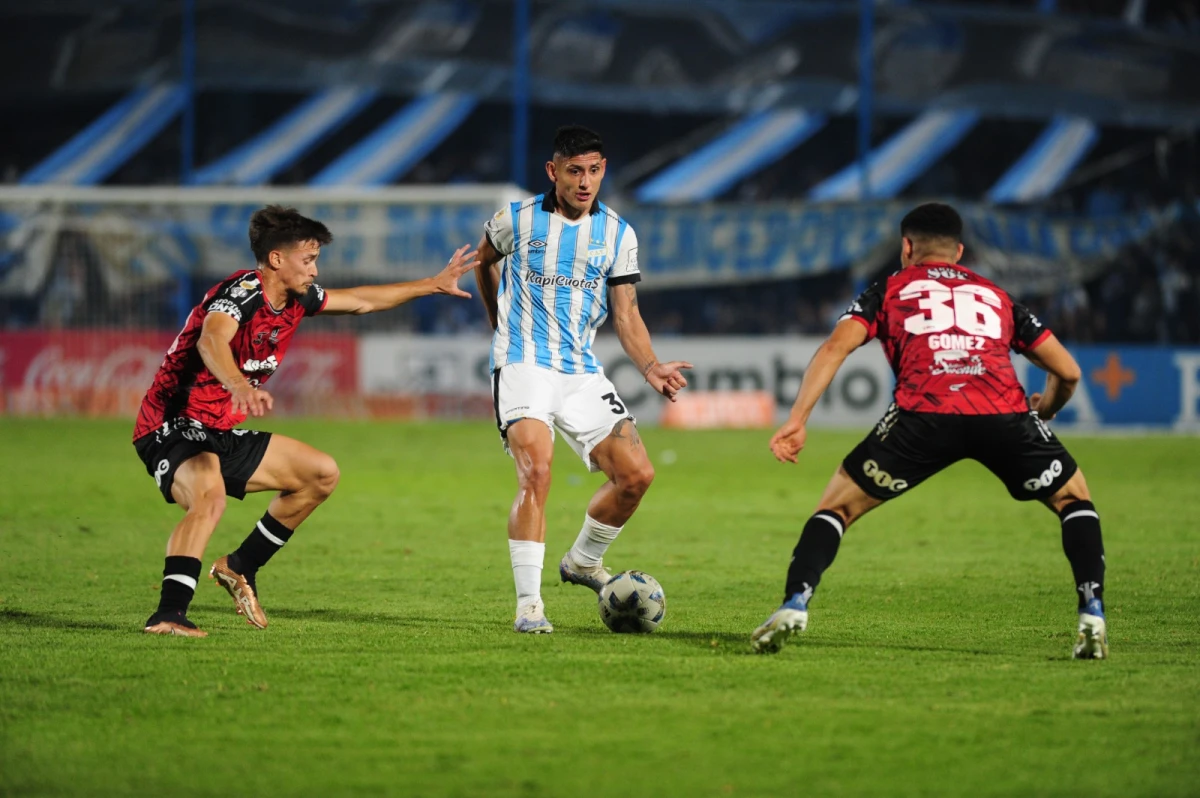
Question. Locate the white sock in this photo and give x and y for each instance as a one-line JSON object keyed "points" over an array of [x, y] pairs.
{"points": [[527, 557], [594, 539]]}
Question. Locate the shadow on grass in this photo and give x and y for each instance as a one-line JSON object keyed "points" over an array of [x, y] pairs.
{"points": [[38, 621], [738, 643], [328, 615]]}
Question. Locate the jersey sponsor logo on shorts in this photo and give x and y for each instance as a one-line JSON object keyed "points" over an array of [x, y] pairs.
{"points": [[882, 478], [951, 341], [957, 361], [1046, 479], [161, 471], [195, 434], [267, 365], [562, 280]]}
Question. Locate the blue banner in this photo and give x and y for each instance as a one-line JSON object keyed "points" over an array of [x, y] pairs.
{"points": [[1123, 386], [137, 245]]}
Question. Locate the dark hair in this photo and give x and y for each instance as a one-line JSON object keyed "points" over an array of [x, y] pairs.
{"points": [[932, 220], [572, 140], [275, 226]]}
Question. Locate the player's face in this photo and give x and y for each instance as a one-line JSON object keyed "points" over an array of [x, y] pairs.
{"points": [[577, 179], [296, 265]]}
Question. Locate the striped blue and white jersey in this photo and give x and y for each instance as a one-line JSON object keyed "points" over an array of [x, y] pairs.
{"points": [[553, 282]]}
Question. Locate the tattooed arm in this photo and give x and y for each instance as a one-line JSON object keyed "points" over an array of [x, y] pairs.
{"points": [[635, 340]]}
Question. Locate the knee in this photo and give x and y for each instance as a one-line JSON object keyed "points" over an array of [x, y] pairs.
{"points": [[325, 477], [209, 504], [535, 476], [636, 481]]}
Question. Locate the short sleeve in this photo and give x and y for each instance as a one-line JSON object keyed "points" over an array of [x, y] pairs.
{"points": [[314, 300], [867, 309], [238, 297], [1028, 330], [625, 264], [499, 231]]}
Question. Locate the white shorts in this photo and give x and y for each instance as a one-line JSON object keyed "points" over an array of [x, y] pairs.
{"points": [[583, 407]]}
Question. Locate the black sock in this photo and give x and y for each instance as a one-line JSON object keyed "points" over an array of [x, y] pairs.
{"points": [[180, 575], [814, 553], [267, 537], [1084, 548]]}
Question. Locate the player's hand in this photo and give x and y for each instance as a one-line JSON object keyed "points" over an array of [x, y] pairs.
{"points": [[667, 379], [446, 281], [788, 441], [1035, 402], [251, 401]]}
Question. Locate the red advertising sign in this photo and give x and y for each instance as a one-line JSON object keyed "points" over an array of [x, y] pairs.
{"points": [[106, 372]]}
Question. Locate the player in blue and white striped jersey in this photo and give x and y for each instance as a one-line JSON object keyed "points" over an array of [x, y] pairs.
{"points": [[549, 266]]}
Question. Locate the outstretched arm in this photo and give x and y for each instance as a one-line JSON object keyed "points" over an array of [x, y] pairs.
{"points": [[374, 298], [847, 336], [635, 340], [487, 278], [1062, 376]]}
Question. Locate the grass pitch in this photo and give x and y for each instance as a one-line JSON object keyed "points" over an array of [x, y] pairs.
{"points": [[936, 661]]}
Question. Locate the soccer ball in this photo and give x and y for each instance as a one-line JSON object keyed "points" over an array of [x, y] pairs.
{"points": [[632, 602]]}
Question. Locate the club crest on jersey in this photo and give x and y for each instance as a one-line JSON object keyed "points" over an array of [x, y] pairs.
{"points": [[597, 254], [244, 288]]}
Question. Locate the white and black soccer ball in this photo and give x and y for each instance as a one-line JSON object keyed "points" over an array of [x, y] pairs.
{"points": [[632, 601]]}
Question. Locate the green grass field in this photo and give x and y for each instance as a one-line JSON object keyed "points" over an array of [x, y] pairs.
{"points": [[936, 661]]}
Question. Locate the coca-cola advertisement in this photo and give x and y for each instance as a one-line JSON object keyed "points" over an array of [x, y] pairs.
{"points": [[106, 373]]}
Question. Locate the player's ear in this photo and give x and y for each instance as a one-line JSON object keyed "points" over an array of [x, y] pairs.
{"points": [[958, 257], [906, 248], [551, 172]]}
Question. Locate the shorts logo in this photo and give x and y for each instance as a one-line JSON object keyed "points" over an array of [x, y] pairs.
{"points": [[1046, 479], [161, 471], [195, 434], [882, 478]]}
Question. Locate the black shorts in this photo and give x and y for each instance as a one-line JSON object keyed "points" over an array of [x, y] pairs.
{"points": [[164, 450], [907, 448]]}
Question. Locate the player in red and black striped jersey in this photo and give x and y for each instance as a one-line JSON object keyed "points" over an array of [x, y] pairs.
{"points": [[184, 386], [212, 379], [947, 333]]}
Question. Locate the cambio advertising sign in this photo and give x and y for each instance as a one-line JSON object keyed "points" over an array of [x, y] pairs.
{"points": [[1121, 386], [398, 364]]}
